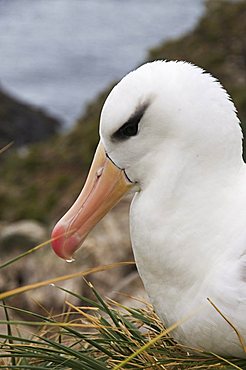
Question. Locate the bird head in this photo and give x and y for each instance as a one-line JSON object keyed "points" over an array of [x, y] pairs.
{"points": [[159, 109]]}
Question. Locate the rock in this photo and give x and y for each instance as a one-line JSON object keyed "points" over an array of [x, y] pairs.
{"points": [[21, 235], [22, 123], [108, 243]]}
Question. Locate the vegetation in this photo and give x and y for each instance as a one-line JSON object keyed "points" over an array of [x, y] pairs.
{"points": [[23, 123], [217, 44], [99, 335]]}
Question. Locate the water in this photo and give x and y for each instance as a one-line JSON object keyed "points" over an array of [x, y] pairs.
{"points": [[70, 260], [59, 54]]}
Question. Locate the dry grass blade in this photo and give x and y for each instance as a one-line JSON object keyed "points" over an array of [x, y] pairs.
{"points": [[43, 283], [6, 147], [42, 323], [153, 341], [98, 335], [240, 338], [114, 336], [228, 362]]}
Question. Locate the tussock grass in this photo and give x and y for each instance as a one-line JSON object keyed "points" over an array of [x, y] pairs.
{"points": [[102, 334]]}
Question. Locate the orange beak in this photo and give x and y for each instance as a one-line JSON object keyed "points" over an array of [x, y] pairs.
{"points": [[104, 187]]}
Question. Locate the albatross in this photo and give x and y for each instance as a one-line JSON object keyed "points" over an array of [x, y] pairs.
{"points": [[170, 132]]}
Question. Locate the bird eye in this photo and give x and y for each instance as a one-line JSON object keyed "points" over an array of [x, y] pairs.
{"points": [[130, 128]]}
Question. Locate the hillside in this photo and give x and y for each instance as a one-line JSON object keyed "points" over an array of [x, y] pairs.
{"points": [[42, 184], [218, 44], [22, 123]]}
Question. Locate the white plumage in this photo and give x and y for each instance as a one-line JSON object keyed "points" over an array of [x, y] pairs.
{"points": [[172, 129], [188, 220]]}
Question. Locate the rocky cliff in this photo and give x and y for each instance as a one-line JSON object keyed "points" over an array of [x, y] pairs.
{"points": [[23, 124]]}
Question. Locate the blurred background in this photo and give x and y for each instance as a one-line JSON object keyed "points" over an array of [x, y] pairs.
{"points": [[58, 61], [59, 53]]}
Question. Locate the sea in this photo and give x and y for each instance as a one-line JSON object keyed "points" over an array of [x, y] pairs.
{"points": [[59, 54]]}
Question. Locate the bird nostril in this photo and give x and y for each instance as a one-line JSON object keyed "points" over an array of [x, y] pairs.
{"points": [[99, 172]]}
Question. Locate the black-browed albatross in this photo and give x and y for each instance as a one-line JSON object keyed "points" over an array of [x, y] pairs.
{"points": [[170, 130]]}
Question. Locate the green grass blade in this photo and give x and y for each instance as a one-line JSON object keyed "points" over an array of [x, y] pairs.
{"points": [[97, 365], [9, 331], [24, 254], [150, 343], [81, 298]]}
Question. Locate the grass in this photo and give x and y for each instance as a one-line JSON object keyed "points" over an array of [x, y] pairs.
{"points": [[100, 334]]}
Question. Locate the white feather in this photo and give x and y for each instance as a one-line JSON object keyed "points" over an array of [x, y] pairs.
{"points": [[188, 220]]}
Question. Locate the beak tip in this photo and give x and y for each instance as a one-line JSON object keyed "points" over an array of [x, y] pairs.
{"points": [[63, 244], [58, 240]]}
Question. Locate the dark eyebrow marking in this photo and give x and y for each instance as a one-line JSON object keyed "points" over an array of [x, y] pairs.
{"points": [[130, 127]]}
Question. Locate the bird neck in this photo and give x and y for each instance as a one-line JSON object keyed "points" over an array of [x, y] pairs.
{"points": [[183, 212], [176, 168]]}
